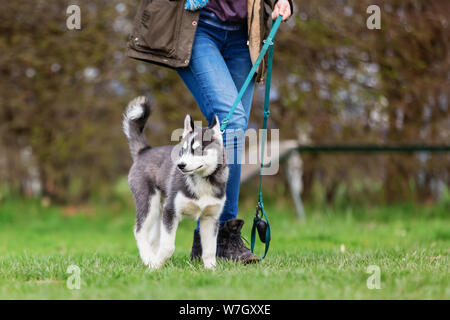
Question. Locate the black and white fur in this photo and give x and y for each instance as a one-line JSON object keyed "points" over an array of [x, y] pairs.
{"points": [[170, 182]]}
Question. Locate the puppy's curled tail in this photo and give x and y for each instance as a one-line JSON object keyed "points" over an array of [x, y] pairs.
{"points": [[134, 120]]}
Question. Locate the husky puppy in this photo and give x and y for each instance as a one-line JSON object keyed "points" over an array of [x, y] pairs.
{"points": [[170, 182]]}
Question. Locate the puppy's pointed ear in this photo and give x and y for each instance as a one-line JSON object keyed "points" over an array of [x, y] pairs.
{"points": [[188, 125], [215, 125]]}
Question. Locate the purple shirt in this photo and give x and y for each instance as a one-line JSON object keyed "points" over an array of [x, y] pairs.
{"points": [[228, 10]]}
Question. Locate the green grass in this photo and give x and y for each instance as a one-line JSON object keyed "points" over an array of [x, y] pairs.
{"points": [[323, 258]]}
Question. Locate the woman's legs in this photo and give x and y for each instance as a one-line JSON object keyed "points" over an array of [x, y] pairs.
{"points": [[237, 58], [219, 65]]}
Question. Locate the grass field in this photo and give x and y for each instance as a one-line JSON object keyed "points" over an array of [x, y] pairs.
{"points": [[325, 257]]}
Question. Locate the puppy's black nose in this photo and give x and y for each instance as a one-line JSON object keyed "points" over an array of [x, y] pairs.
{"points": [[181, 165]]}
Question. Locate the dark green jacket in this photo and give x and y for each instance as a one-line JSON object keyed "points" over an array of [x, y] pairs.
{"points": [[164, 32]]}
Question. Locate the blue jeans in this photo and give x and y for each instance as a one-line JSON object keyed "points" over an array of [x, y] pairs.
{"points": [[220, 63]]}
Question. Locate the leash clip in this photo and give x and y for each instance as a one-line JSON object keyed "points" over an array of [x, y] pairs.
{"points": [[223, 125], [269, 41], [260, 223]]}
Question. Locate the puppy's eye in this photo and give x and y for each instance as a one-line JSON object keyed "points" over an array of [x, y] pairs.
{"points": [[183, 148], [195, 145]]}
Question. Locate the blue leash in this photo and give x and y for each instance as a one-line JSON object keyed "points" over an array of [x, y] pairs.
{"points": [[260, 221]]}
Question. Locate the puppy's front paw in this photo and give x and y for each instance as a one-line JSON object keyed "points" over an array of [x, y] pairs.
{"points": [[145, 259], [154, 265], [210, 263]]}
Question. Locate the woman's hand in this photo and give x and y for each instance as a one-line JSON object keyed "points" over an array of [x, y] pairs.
{"points": [[283, 8]]}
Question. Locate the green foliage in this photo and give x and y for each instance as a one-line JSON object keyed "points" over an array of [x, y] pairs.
{"points": [[325, 257]]}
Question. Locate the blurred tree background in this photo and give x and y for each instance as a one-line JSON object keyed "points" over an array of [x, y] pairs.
{"points": [[336, 82]]}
